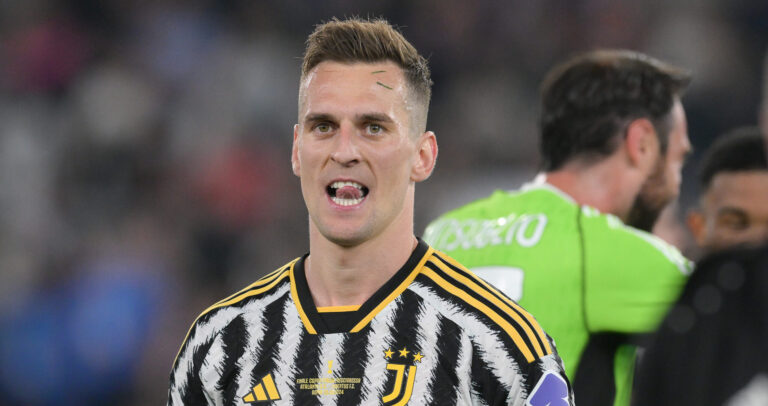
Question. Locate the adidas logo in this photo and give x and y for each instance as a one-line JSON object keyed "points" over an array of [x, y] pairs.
{"points": [[265, 391]]}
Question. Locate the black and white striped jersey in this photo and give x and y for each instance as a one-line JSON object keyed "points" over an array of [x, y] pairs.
{"points": [[434, 334]]}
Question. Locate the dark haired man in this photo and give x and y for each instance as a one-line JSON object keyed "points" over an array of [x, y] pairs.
{"points": [[373, 315], [733, 208], [613, 139]]}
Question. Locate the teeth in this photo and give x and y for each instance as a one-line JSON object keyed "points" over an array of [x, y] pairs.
{"points": [[346, 202], [333, 187], [338, 185]]}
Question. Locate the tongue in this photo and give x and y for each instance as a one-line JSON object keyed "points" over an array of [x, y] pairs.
{"points": [[348, 192]]}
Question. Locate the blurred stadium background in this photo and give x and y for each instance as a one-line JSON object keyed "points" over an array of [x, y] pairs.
{"points": [[145, 145]]}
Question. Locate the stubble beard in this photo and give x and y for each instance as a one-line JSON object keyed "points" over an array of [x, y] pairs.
{"points": [[651, 200]]}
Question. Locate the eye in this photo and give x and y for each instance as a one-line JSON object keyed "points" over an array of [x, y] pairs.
{"points": [[734, 221], [323, 127], [375, 129]]}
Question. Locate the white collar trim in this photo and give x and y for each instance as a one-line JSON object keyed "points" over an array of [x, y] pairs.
{"points": [[540, 182]]}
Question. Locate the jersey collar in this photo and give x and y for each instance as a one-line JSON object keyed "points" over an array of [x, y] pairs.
{"points": [[540, 183], [314, 323]]}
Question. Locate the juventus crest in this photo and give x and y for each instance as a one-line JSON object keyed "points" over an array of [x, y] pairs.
{"points": [[405, 375]]}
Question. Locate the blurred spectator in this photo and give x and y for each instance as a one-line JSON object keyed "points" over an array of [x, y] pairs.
{"points": [[733, 208], [44, 57], [76, 340], [711, 348]]}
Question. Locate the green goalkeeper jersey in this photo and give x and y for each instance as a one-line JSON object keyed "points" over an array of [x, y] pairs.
{"points": [[591, 281]]}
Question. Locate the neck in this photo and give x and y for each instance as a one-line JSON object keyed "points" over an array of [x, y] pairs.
{"points": [[603, 186], [348, 275]]}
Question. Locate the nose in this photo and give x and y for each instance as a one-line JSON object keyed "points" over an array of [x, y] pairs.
{"points": [[345, 151]]}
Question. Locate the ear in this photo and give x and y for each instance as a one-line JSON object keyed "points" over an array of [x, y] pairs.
{"points": [[696, 224], [295, 163], [642, 144], [426, 158]]}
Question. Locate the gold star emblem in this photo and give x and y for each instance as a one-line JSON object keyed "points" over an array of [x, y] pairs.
{"points": [[388, 353], [417, 357], [404, 352]]}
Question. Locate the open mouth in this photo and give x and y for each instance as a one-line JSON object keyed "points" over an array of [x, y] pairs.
{"points": [[346, 193]]}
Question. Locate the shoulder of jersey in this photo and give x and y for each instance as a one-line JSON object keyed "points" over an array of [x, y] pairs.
{"points": [[501, 205], [460, 294], [267, 284], [262, 287], [644, 244], [500, 200]]}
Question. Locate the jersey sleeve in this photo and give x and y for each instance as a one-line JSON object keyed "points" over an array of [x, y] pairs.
{"points": [[186, 386], [540, 382], [631, 277], [549, 386]]}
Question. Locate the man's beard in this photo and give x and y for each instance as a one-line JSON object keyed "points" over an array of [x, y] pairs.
{"points": [[650, 201], [644, 213]]}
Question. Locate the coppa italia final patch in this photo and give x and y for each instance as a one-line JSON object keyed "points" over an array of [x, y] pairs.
{"points": [[551, 390]]}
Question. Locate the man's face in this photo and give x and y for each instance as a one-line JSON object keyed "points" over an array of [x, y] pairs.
{"points": [[355, 151], [734, 210], [663, 184]]}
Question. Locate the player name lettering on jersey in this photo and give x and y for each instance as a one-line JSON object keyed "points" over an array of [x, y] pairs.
{"points": [[451, 234]]}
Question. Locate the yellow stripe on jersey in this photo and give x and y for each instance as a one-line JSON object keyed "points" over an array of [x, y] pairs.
{"points": [[250, 293], [262, 281], [395, 293], [516, 337], [336, 309], [275, 280], [493, 299], [510, 302], [297, 302]]}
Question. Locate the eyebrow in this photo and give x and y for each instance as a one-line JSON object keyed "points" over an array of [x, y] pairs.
{"points": [[316, 117], [732, 211], [382, 118], [366, 117]]}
